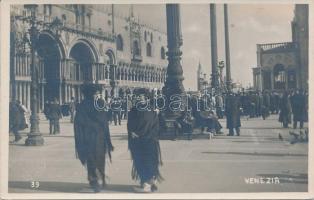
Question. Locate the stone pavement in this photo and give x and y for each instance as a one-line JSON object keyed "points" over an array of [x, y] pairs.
{"points": [[223, 164]]}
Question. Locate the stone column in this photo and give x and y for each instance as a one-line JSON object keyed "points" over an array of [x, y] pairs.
{"points": [[227, 50], [213, 39]]}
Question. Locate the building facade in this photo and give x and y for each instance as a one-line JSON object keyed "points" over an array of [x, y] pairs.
{"points": [[282, 66], [93, 44]]}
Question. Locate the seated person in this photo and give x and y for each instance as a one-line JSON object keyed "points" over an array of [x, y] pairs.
{"points": [[210, 120], [185, 124]]}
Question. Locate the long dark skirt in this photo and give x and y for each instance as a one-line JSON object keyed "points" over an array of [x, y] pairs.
{"points": [[146, 159]]}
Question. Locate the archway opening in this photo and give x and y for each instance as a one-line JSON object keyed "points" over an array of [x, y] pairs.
{"points": [[49, 53], [279, 77], [83, 56]]}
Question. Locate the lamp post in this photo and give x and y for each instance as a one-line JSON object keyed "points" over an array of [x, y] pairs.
{"points": [[35, 137]]}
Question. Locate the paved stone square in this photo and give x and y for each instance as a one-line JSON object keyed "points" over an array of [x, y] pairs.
{"points": [[252, 162]]}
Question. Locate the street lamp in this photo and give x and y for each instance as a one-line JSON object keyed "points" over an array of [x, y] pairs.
{"points": [[35, 137]]}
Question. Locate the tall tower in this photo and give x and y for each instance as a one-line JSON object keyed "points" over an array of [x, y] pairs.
{"points": [[199, 77]]}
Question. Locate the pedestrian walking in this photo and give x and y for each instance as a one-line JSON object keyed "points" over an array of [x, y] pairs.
{"points": [[233, 114], [92, 137], [285, 110], [54, 115], [143, 131]]}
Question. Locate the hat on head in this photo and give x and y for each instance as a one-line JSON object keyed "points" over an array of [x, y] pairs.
{"points": [[91, 89]]}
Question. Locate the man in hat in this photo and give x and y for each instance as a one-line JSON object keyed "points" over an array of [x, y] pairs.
{"points": [[92, 136], [143, 131]]}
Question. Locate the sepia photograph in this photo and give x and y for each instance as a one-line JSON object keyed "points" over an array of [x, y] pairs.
{"points": [[162, 98]]}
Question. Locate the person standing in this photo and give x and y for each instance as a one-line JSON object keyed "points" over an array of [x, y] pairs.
{"points": [[219, 106], [298, 104], [92, 136], [143, 131], [72, 106], [116, 108], [233, 114], [54, 115], [285, 110]]}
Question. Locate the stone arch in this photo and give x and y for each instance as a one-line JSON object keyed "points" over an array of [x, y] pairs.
{"points": [[111, 56], [89, 44]]}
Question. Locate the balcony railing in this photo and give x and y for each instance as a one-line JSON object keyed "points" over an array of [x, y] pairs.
{"points": [[283, 45]]}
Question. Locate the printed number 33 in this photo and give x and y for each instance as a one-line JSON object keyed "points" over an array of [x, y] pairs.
{"points": [[35, 184]]}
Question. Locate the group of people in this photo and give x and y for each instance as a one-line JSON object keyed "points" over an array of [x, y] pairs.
{"points": [[92, 134]]}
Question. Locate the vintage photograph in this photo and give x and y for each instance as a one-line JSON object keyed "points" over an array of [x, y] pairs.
{"points": [[158, 98]]}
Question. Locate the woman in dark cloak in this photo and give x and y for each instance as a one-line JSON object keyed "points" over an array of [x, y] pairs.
{"points": [[285, 110], [92, 136], [143, 131]]}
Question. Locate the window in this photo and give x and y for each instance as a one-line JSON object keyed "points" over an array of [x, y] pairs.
{"points": [[136, 48], [119, 43], [162, 53], [151, 37], [149, 49], [145, 36]]}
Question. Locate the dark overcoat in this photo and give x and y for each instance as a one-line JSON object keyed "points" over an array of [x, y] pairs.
{"points": [[298, 104], [233, 112], [92, 136]]}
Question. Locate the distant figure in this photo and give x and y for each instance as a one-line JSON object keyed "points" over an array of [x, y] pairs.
{"points": [[72, 106], [54, 115], [219, 106], [116, 108], [285, 110], [185, 123], [233, 114], [298, 104], [46, 109], [143, 131], [92, 137]]}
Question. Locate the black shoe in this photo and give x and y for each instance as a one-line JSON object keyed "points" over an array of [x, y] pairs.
{"points": [[95, 186]]}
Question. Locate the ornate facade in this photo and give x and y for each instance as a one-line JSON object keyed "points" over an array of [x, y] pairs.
{"points": [[282, 66], [93, 45]]}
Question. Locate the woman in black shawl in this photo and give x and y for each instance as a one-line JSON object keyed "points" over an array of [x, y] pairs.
{"points": [[143, 130], [92, 136]]}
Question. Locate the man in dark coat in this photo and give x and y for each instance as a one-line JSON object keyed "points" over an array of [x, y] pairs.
{"points": [[285, 110], [143, 131], [54, 115], [233, 114], [298, 104], [266, 105], [92, 136]]}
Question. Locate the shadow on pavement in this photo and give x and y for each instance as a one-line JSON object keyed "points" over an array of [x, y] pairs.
{"points": [[289, 178], [256, 154], [66, 187]]}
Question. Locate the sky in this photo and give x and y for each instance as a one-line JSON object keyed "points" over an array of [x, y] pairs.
{"points": [[249, 24]]}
